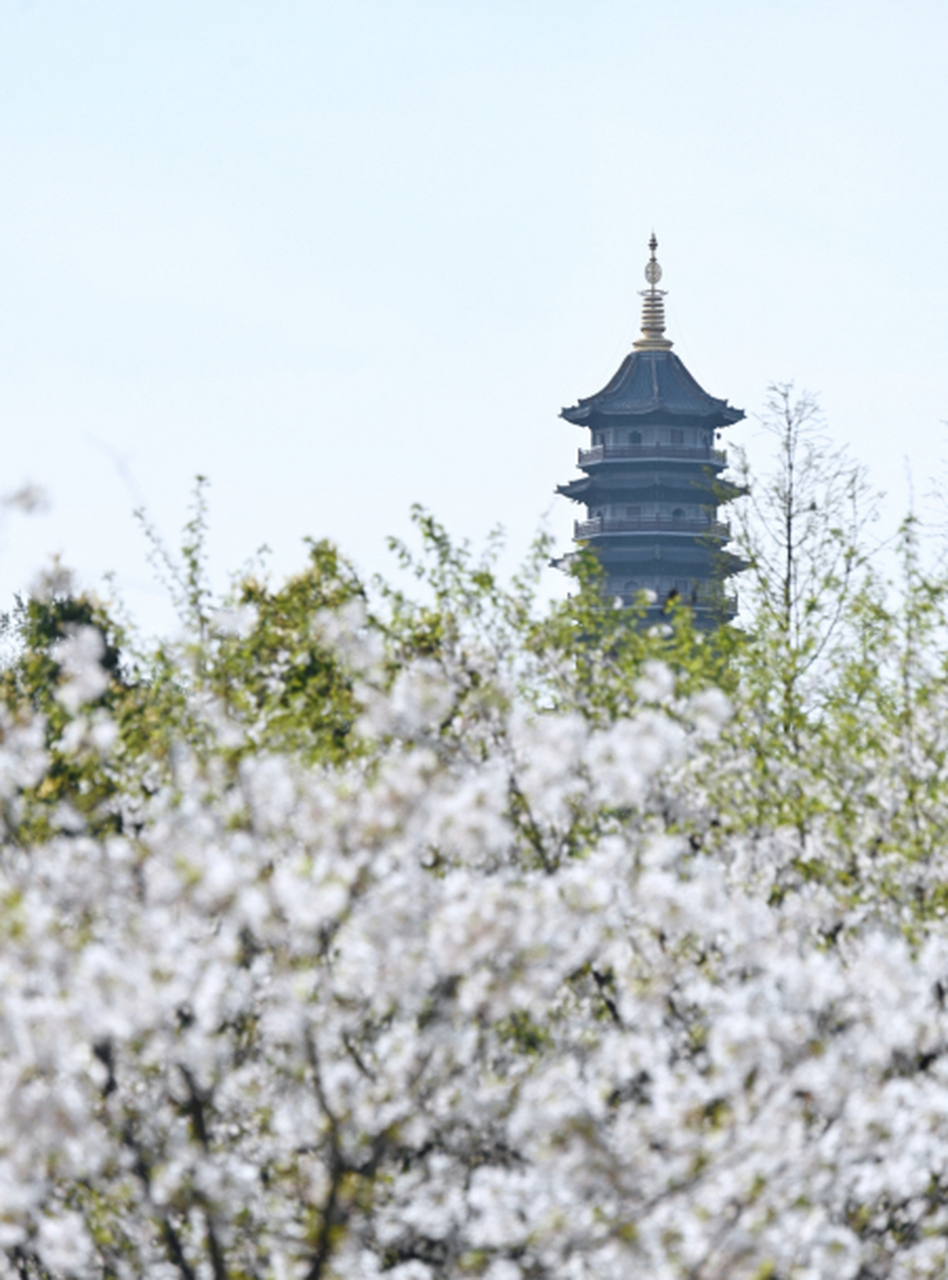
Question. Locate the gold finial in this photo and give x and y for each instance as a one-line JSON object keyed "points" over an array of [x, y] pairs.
{"points": [[653, 307]]}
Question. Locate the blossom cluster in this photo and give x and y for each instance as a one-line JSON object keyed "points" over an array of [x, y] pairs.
{"points": [[466, 1004]]}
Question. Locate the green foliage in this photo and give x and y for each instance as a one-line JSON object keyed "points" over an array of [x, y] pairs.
{"points": [[75, 786], [837, 679], [259, 655], [37, 625], [270, 666], [592, 654]]}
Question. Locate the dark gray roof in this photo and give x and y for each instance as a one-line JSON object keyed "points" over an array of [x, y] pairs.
{"points": [[653, 383]]}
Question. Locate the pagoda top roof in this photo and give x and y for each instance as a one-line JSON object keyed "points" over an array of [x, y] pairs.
{"points": [[652, 383]]}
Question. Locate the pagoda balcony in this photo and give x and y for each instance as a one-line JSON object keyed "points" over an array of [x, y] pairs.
{"points": [[723, 601], [583, 529], [624, 452]]}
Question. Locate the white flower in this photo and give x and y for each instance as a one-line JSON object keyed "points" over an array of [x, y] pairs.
{"points": [[79, 657]]}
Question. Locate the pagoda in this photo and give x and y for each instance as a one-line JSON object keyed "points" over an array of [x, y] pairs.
{"points": [[651, 477]]}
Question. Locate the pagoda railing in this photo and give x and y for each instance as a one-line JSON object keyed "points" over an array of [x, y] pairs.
{"points": [[650, 524], [725, 602], [720, 602], [692, 453], [705, 598]]}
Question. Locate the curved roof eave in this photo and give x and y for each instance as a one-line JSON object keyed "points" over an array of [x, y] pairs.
{"points": [[652, 382]]}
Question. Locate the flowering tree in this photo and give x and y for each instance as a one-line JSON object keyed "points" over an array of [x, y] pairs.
{"points": [[365, 937]]}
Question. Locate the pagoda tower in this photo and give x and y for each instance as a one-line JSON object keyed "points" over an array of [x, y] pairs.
{"points": [[651, 476]]}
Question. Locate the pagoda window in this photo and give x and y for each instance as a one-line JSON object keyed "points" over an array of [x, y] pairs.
{"points": [[678, 514], [633, 512], [635, 437], [678, 436]]}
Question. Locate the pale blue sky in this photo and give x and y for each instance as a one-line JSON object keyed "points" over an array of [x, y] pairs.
{"points": [[342, 257]]}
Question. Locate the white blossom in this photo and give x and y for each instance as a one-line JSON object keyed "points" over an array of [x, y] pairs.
{"points": [[80, 657], [466, 1007]]}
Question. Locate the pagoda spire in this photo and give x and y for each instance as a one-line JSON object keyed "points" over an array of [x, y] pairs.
{"points": [[653, 308]]}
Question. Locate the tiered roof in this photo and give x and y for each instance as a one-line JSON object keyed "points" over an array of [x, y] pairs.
{"points": [[652, 384]]}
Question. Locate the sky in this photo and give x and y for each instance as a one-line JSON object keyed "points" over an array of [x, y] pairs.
{"points": [[343, 257]]}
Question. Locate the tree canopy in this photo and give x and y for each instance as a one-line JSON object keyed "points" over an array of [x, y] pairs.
{"points": [[366, 933]]}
